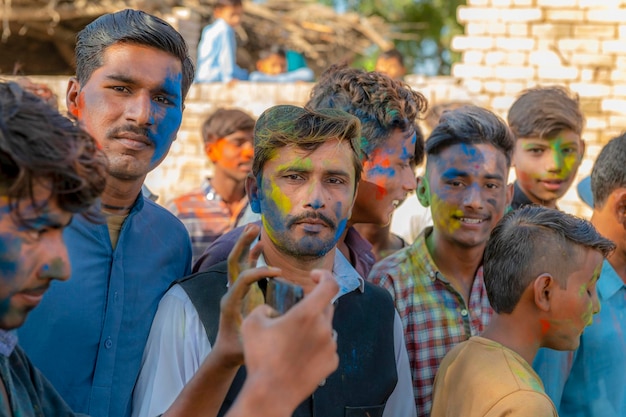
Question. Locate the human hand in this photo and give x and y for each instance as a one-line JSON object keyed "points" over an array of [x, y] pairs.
{"points": [[288, 356], [242, 295]]}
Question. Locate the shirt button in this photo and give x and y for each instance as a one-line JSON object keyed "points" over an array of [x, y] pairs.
{"points": [[108, 343], [464, 312]]}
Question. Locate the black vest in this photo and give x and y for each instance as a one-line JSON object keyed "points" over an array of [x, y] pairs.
{"points": [[364, 322]]}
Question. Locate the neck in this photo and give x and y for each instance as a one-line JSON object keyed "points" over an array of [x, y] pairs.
{"points": [[382, 240], [296, 270], [119, 196], [510, 332], [545, 203], [228, 188], [604, 222], [457, 263]]}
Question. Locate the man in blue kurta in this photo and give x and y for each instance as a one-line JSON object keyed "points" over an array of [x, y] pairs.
{"points": [[592, 381], [88, 335]]}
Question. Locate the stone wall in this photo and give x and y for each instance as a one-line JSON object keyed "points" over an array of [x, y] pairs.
{"points": [[510, 45]]}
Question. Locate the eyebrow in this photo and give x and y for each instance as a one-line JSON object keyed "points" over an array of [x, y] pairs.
{"points": [[453, 173]]}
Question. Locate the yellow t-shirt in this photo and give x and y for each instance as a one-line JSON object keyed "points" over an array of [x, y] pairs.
{"points": [[481, 377]]}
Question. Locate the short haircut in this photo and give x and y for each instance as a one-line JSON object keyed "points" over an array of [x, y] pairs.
{"points": [[543, 112], [471, 125], [224, 122], [38, 145], [131, 27], [272, 50], [534, 240], [609, 170], [287, 125], [381, 103], [227, 3], [393, 54]]}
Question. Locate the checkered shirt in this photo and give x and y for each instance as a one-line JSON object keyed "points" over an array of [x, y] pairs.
{"points": [[434, 315], [205, 215]]}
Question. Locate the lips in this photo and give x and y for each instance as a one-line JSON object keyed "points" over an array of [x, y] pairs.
{"points": [[134, 141], [552, 185], [32, 296], [471, 220]]}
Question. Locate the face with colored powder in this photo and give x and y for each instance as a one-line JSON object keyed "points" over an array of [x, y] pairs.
{"points": [[132, 105], [37, 253], [546, 168], [465, 186], [573, 306], [232, 154], [306, 198], [387, 178]]}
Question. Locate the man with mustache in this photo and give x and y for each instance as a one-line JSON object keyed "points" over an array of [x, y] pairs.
{"points": [[87, 336], [307, 164]]}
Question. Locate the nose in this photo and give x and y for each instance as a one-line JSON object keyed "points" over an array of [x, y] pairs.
{"points": [[57, 264], [247, 150], [409, 180], [595, 301], [473, 197], [141, 109], [555, 161], [316, 196]]}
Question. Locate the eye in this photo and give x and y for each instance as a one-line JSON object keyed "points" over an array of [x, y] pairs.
{"points": [[336, 180], [569, 151], [120, 89], [455, 183], [293, 177], [535, 151], [492, 186], [162, 100]]}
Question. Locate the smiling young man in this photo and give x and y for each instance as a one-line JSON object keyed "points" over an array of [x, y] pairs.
{"points": [[87, 335], [547, 124], [219, 203], [541, 269], [437, 282], [307, 165]]}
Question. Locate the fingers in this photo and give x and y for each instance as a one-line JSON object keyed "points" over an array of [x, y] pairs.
{"points": [[323, 293], [238, 258]]}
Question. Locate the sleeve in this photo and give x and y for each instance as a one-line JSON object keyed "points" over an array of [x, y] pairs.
{"points": [[382, 279], [553, 367], [176, 346], [401, 402], [523, 404], [228, 57]]}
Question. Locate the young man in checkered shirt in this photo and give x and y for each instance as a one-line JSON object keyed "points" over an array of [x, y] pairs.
{"points": [[437, 282]]}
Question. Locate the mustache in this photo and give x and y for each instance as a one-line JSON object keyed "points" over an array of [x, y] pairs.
{"points": [[312, 215], [129, 128]]}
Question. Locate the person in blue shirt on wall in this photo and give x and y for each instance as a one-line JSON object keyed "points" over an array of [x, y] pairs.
{"points": [[592, 381], [88, 334], [217, 51]]}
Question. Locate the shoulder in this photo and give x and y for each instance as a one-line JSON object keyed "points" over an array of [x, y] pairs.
{"points": [[523, 403], [161, 217]]}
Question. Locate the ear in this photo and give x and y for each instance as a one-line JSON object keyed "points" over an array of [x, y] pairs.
{"points": [[72, 97], [543, 287], [581, 150], [618, 201], [510, 190], [211, 151], [423, 191], [253, 192]]}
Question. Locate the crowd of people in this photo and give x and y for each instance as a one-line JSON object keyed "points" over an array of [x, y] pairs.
{"points": [[494, 309]]}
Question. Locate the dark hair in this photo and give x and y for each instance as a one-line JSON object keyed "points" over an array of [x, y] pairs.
{"points": [[40, 146], [543, 112], [530, 241], [471, 125], [393, 54], [224, 122], [133, 27], [227, 3], [272, 50], [381, 103], [287, 125], [609, 170]]}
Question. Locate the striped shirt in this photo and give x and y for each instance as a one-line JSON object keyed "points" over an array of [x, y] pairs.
{"points": [[434, 315]]}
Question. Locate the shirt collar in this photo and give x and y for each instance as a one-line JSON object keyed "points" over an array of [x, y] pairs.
{"points": [[8, 341], [208, 191], [520, 199], [346, 276], [609, 283]]}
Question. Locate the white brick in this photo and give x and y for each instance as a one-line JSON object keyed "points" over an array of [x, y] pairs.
{"points": [[493, 87], [621, 31], [513, 88], [614, 47], [476, 28], [619, 90], [516, 59], [618, 75], [521, 14], [606, 15], [596, 123], [463, 43], [617, 122], [478, 2], [473, 86], [502, 103], [565, 15], [473, 57], [472, 71], [545, 30], [502, 3], [557, 3], [604, 4], [514, 73], [523, 3], [594, 31], [495, 57], [515, 44], [591, 90], [592, 60], [540, 58], [557, 73], [579, 45], [586, 74], [479, 14], [518, 29], [614, 105]]}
